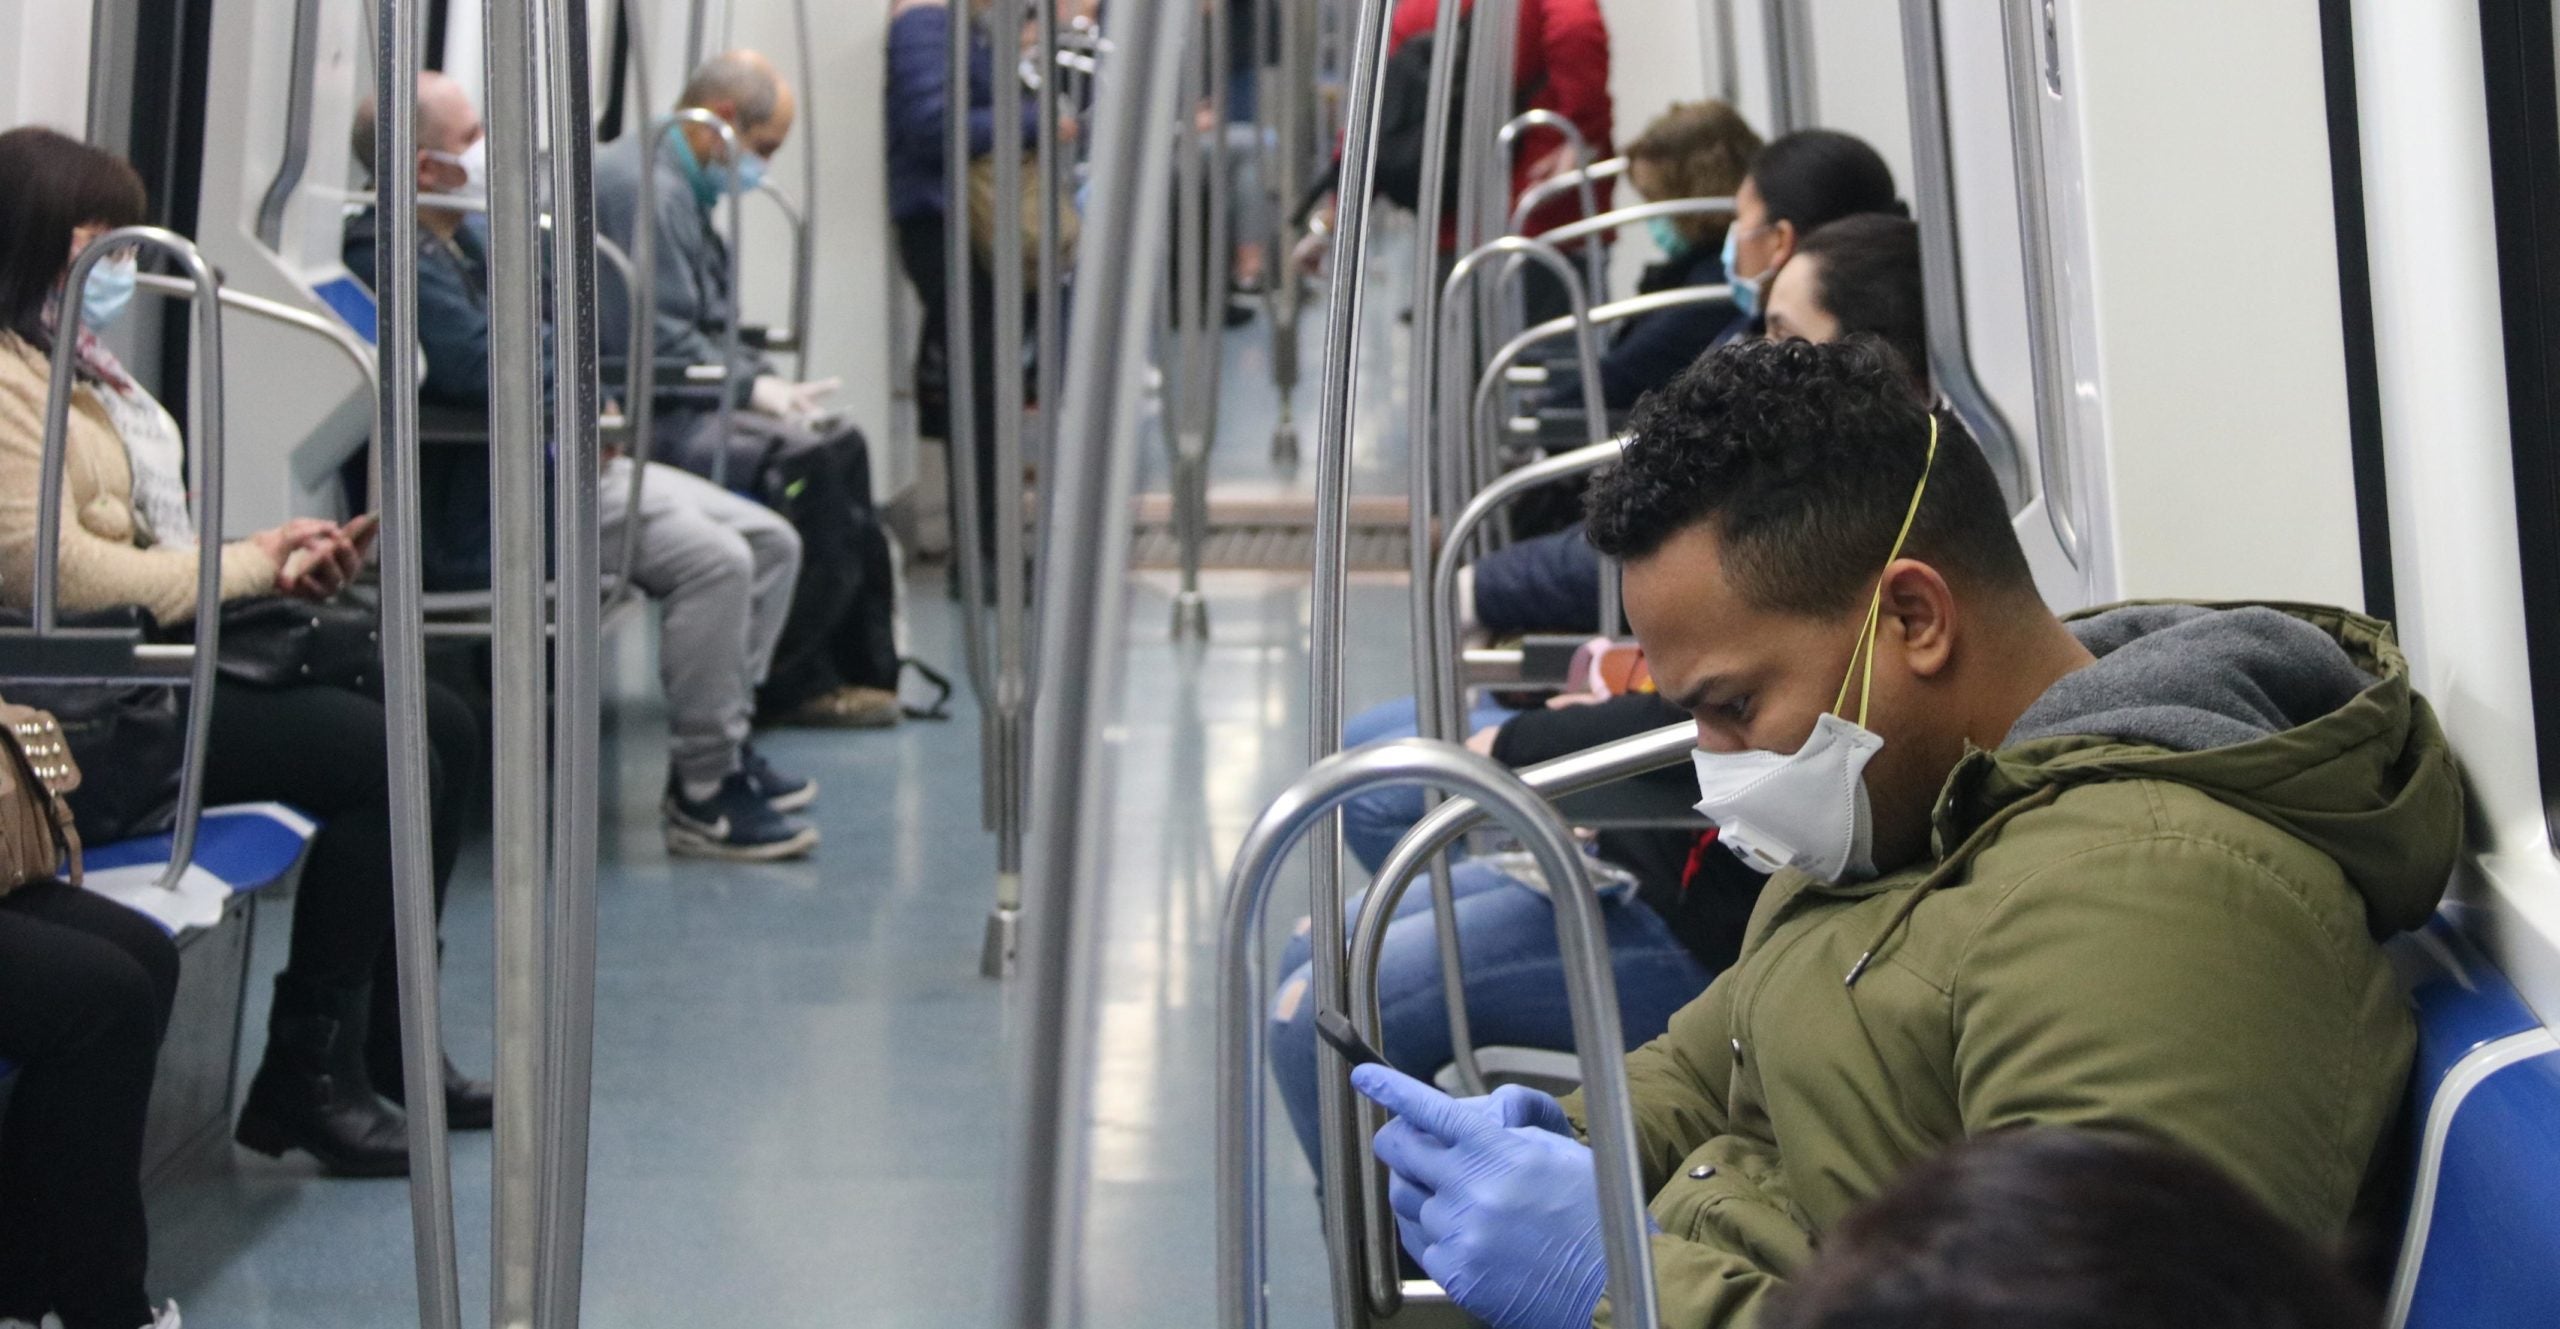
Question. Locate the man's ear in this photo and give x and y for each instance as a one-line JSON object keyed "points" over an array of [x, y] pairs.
{"points": [[1920, 611]]}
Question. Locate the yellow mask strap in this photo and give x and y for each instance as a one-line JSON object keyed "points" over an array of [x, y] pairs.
{"points": [[1866, 648]]}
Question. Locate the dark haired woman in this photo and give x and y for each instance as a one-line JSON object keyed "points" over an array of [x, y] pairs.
{"points": [[129, 539], [2066, 1229]]}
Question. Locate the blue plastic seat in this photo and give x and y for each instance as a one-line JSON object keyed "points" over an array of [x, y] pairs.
{"points": [[239, 850], [2482, 1241]]}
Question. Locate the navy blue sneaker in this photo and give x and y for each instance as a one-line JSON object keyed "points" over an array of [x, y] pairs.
{"points": [[782, 793], [734, 823]]}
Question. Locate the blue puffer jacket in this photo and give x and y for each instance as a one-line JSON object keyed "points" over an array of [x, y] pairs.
{"points": [[1547, 583], [919, 90]]}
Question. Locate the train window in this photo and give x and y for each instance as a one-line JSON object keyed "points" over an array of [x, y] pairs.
{"points": [[2520, 51]]}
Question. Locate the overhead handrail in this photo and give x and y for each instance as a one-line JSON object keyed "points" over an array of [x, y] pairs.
{"points": [[204, 456], [1429, 839], [1345, 317], [1942, 257], [1243, 1035], [1084, 590], [2046, 319], [1579, 180], [399, 36]]}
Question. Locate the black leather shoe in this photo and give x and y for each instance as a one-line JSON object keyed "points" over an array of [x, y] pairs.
{"points": [[311, 1091], [469, 1105]]}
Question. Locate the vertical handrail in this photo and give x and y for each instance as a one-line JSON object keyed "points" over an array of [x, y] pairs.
{"points": [[803, 265], [1007, 706], [804, 275], [959, 317], [518, 622], [1790, 96], [569, 964], [1595, 258], [1049, 327], [2022, 45], [398, 35], [1933, 196], [1291, 108], [1200, 304], [640, 374], [204, 431], [1243, 1036], [1085, 588], [732, 336], [1344, 320]]}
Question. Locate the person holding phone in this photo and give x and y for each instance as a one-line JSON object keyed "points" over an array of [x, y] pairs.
{"points": [[330, 1080]]}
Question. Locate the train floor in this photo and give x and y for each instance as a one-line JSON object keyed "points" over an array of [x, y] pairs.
{"points": [[802, 1109]]}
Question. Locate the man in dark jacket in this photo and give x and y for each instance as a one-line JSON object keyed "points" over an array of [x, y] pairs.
{"points": [[838, 662]]}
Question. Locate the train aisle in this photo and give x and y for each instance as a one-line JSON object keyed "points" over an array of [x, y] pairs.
{"points": [[801, 1105]]}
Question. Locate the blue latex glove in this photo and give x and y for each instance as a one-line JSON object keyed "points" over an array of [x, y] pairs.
{"points": [[1505, 1217], [1510, 1105]]}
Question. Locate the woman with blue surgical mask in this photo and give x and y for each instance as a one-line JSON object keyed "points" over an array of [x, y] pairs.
{"points": [[1797, 185]]}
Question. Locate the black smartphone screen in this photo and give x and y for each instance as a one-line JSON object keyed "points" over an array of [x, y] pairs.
{"points": [[1334, 1029]]}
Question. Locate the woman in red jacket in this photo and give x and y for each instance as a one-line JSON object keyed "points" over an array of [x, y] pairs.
{"points": [[1563, 67]]}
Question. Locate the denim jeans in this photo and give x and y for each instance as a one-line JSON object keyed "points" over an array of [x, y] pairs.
{"points": [[1373, 821], [1515, 983]]}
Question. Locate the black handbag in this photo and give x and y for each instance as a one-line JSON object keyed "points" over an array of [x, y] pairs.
{"points": [[277, 641], [129, 739]]}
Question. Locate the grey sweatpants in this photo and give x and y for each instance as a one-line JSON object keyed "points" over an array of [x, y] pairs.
{"points": [[721, 568]]}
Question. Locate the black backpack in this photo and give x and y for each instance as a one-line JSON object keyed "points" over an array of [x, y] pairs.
{"points": [[1402, 113]]}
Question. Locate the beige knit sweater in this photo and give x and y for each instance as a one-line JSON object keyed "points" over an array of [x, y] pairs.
{"points": [[101, 565]]}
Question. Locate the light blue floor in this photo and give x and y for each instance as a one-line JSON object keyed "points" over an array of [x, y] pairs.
{"points": [[801, 1104]]}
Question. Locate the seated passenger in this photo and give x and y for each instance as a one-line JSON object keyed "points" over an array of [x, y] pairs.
{"points": [[85, 990], [720, 566], [2065, 1229], [837, 664], [1797, 185], [2121, 873], [1694, 150], [128, 538], [1857, 275]]}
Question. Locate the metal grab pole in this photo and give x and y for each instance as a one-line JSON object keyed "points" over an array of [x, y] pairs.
{"points": [[804, 276], [2023, 44], [732, 339], [1595, 261], [640, 372], [1085, 587], [397, 32], [1292, 111], [1006, 711], [1547, 191], [569, 962], [1344, 320], [1941, 256], [1243, 1036], [960, 416], [1198, 310], [1428, 841], [1452, 709], [204, 431], [803, 265], [518, 622]]}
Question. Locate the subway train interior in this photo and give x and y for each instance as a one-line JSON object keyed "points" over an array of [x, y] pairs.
{"points": [[521, 569]]}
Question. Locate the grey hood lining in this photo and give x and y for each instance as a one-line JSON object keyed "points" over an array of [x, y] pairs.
{"points": [[2189, 678]]}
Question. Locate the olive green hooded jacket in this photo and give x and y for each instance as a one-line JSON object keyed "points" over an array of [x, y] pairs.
{"points": [[2154, 908]]}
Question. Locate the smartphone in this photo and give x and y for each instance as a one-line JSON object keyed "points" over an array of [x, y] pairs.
{"points": [[361, 531], [1334, 1029]]}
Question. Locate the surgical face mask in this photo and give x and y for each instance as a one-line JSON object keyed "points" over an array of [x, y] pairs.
{"points": [[1746, 290], [474, 161], [1808, 809], [1667, 237], [751, 171], [109, 291]]}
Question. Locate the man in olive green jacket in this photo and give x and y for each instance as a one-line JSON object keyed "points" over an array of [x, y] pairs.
{"points": [[2126, 872]]}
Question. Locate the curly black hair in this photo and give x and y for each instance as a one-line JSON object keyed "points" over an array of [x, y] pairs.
{"points": [[1805, 458]]}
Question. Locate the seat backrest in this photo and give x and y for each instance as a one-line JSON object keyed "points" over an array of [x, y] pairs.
{"points": [[2482, 1241]]}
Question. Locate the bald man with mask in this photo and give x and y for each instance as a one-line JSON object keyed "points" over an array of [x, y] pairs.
{"points": [[838, 663]]}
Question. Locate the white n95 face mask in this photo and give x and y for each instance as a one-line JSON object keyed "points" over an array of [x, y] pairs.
{"points": [[1805, 809], [1808, 809]]}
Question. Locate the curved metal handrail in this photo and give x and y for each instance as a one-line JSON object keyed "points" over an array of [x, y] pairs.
{"points": [[1594, 261], [1428, 840], [1549, 190], [204, 456], [1633, 213], [2046, 319], [803, 267], [1243, 1035], [1443, 645]]}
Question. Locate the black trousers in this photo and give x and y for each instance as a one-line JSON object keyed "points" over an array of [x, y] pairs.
{"points": [[322, 749], [85, 990]]}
